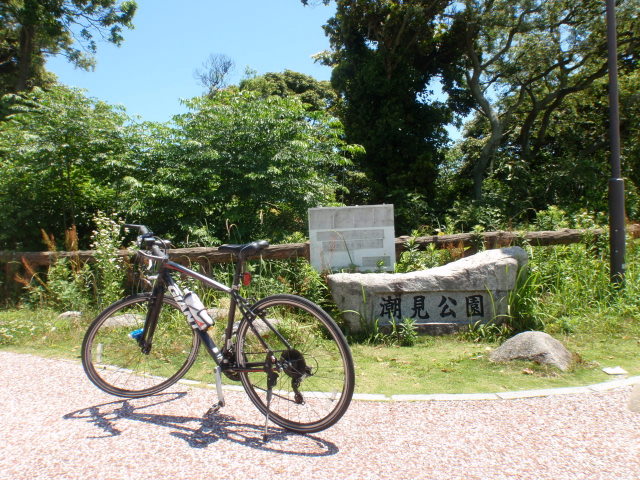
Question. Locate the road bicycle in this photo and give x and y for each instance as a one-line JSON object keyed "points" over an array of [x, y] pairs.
{"points": [[289, 355]]}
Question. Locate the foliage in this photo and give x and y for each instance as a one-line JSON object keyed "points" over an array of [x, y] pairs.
{"points": [[396, 334], [32, 29], [64, 287], [69, 284], [572, 166], [384, 56], [63, 157], [570, 169], [412, 258], [317, 95], [242, 165], [109, 267], [523, 61]]}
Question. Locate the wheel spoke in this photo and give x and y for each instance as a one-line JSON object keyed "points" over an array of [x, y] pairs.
{"points": [[316, 378], [114, 361]]}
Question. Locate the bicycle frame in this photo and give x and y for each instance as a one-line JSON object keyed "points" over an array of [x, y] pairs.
{"points": [[164, 281]]}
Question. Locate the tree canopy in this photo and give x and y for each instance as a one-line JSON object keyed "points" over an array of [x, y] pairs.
{"points": [[522, 60], [249, 159], [240, 165], [317, 95], [63, 157], [32, 29], [384, 57], [237, 166]]}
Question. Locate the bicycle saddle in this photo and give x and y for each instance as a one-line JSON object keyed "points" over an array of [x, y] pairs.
{"points": [[245, 249]]}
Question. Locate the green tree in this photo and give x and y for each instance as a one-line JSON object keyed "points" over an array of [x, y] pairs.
{"points": [[63, 157], [32, 29], [239, 166], [317, 94], [571, 168], [523, 59], [385, 56]]}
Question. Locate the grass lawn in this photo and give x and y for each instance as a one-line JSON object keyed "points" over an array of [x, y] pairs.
{"points": [[451, 365], [434, 365]]}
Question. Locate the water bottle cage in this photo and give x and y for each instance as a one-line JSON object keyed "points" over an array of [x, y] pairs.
{"points": [[197, 312]]}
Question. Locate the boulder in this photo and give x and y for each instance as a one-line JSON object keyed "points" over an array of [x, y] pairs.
{"points": [[475, 288], [537, 347]]}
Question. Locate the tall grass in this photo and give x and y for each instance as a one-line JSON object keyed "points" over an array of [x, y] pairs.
{"points": [[564, 290], [573, 292], [69, 284]]}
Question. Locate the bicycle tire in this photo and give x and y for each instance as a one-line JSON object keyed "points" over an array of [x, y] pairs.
{"points": [[319, 353], [113, 360]]}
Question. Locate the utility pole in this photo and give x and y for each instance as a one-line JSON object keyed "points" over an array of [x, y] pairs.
{"points": [[617, 240]]}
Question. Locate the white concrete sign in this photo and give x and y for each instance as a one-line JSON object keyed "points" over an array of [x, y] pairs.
{"points": [[359, 238]]}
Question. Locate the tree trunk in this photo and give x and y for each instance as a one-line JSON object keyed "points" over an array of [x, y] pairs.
{"points": [[484, 160], [27, 34], [495, 137]]}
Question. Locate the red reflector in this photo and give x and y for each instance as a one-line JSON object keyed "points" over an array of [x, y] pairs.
{"points": [[246, 278]]}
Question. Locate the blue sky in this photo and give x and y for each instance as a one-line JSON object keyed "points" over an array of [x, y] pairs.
{"points": [[153, 68]]}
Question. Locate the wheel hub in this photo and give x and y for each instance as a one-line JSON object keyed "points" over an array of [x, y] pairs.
{"points": [[294, 364]]}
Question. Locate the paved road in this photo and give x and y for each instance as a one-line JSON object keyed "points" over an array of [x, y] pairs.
{"points": [[55, 425]]}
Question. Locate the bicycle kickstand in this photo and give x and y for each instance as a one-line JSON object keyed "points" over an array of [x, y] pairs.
{"points": [[215, 408], [272, 379]]}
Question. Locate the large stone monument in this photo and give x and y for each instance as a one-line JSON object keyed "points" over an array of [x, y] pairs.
{"points": [[438, 300]]}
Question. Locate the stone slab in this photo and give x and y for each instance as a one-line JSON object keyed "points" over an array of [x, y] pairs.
{"points": [[442, 397], [612, 384], [373, 397], [545, 392], [358, 238]]}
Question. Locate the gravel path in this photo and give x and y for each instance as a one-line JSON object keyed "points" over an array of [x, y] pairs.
{"points": [[55, 425]]}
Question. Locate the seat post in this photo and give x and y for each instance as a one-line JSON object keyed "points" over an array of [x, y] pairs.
{"points": [[232, 306], [239, 270]]}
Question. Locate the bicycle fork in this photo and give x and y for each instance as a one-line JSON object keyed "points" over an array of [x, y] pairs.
{"points": [[145, 337]]}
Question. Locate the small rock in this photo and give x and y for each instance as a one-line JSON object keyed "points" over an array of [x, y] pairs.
{"points": [[218, 313], [614, 371], [70, 314], [538, 347]]}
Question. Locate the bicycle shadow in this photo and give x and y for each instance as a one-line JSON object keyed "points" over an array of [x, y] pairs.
{"points": [[201, 432]]}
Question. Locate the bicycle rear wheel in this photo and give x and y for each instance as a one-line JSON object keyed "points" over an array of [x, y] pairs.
{"points": [[315, 373], [113, 360]]}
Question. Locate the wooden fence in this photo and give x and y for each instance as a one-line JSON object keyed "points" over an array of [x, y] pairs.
{"points": [[301, 250]]}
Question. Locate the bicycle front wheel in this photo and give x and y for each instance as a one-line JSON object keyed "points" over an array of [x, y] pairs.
{"points": [[114, 361], [314, 380]]}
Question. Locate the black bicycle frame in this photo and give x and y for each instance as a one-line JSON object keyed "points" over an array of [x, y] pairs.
{"points": [[165, 282]]}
